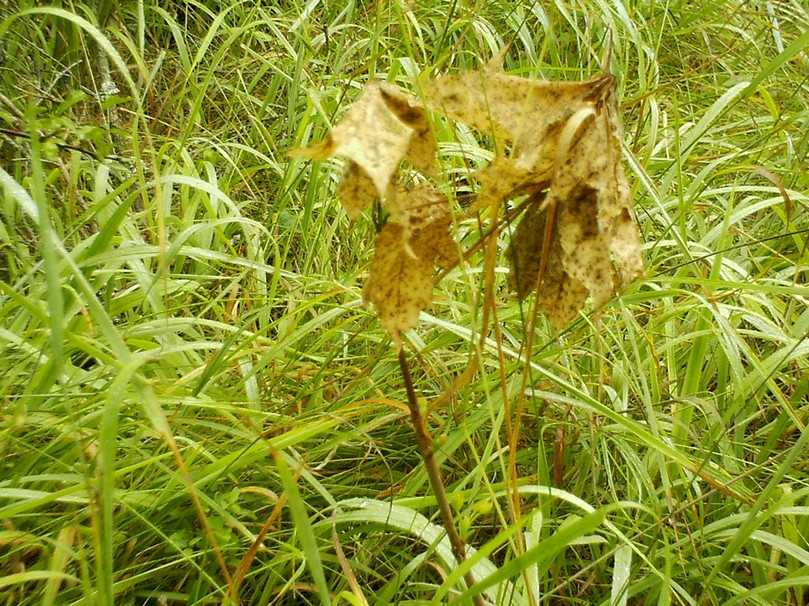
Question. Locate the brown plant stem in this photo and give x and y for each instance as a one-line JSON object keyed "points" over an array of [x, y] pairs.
{"points": [[509, 216], [425, 444], [244, 565]]}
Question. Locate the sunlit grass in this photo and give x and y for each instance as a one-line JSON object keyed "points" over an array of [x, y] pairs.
{"points": [[187, 366]]}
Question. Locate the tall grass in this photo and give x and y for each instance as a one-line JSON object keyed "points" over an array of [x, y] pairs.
{"points": [[191, 387]]}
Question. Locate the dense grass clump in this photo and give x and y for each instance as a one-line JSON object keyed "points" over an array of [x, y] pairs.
{"points": [[198, 409]]}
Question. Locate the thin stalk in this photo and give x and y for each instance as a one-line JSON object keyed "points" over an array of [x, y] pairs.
{"points": [[425, 444]]}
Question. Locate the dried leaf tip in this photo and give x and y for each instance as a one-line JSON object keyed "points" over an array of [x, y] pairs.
{"points": [[382, 128]]}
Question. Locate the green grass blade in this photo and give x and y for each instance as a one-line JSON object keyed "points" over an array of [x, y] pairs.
{"points": [[303, 527]]}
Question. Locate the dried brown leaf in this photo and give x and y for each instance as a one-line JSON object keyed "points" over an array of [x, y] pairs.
{"points": [[559, 295], [511, 108], [422, 150], [599, 238], [585, 250], [400, 285], [562, 138], [411, 244], [616, 213], [425, 214], [369, 134], [356, 190], [528, 113], [566, 136], [383, 127]]}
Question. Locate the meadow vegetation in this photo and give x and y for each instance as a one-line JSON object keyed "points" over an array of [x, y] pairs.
{"points": [[197, 408]]}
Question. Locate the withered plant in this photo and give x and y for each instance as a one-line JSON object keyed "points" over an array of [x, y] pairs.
{"points": [[557, 145]]}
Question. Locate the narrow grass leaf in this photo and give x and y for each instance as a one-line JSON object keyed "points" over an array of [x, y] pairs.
{"points": [[540, 554], [303, 527]]}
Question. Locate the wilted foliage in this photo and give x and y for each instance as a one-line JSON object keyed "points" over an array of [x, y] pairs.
{"points": [[381, 129], [578, 236], [407, 249]]}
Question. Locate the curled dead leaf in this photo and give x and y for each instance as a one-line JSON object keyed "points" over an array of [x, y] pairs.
{"points": [[559, 295], [565, 138], [523, 111], [356, 190], [600, 240], [408, 248], [421, 152], [382, 128]]}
